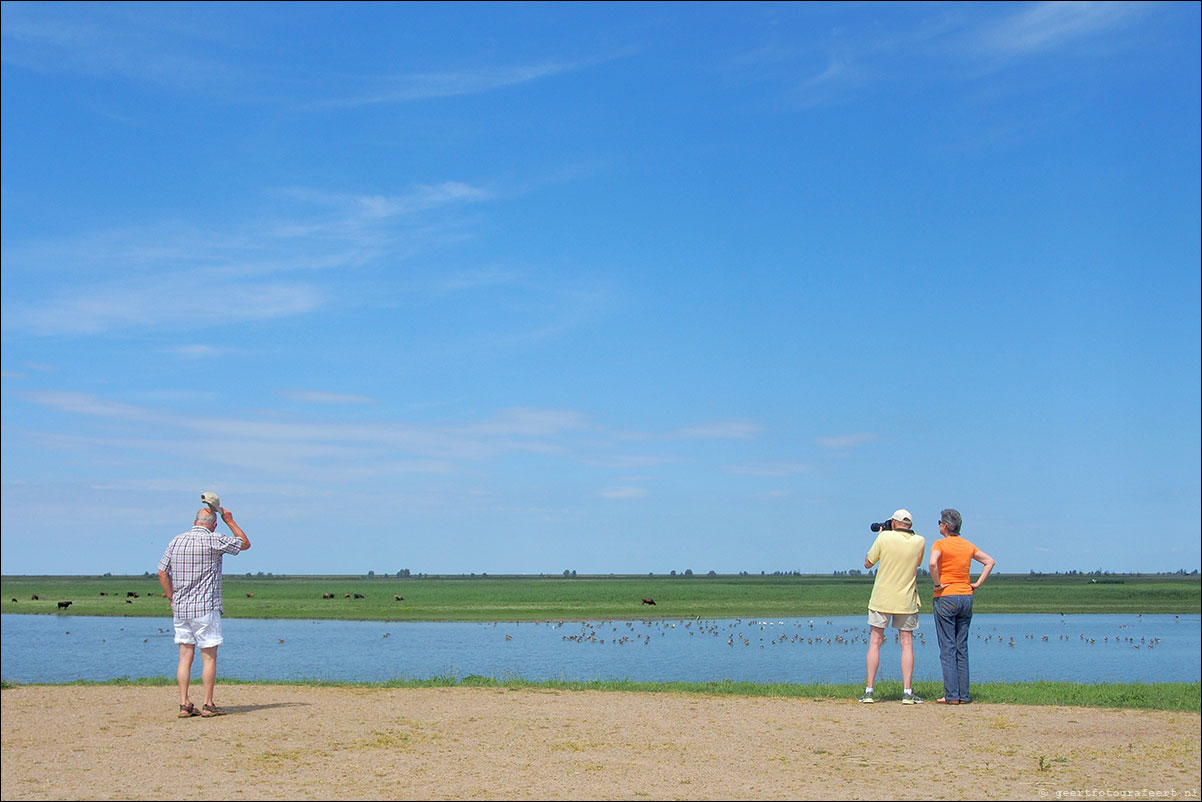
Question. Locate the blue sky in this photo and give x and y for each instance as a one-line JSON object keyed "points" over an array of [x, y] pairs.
{"points": [[610, 288]]}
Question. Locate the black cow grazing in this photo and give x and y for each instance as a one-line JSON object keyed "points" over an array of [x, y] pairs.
{"points": [[64, 605], [104, 593], [398, 598], [131, 595], [360, 596], [14, 601], [648, 600], [35, 598]]}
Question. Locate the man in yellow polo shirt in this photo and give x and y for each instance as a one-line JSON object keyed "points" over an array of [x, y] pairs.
{"points": [[898, 551]]}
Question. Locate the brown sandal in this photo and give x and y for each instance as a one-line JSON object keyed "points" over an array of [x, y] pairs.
{"points": [[208, 711], [188, 711]]}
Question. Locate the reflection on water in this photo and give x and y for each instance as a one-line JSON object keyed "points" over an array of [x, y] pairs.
{"points": [[1079, 648]]}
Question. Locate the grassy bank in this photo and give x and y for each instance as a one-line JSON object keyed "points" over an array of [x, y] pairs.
{"points": [[1184, 696], [531, 598]]}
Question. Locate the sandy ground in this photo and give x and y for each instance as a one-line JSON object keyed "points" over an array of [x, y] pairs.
{"points": [[294, 742]]}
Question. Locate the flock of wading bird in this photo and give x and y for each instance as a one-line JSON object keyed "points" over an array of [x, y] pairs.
{"points": [[781, 633], [803, 634]]}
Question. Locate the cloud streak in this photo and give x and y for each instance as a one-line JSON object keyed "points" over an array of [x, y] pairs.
{"points": [[1045, 27], [412, 87], [357, 210], [945, 42], [720, 430], [195, 351], [172, 302], [311, 448], [378, 443], [845, 441], [165, 46], [624, 493], [320, 397], [170, 278], [776, 469]]}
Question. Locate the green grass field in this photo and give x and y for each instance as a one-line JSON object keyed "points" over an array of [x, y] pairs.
{"points": [[530, 598]]}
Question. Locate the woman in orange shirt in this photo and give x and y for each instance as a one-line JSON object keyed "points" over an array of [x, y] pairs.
{"points": [[951, 559]]}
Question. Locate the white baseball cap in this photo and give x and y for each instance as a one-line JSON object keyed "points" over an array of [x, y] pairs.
{"points": [[901, 515], [212, 500]]}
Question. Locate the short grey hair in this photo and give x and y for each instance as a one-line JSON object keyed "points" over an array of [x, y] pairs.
{"points": [[951, 519], [206, 517]]}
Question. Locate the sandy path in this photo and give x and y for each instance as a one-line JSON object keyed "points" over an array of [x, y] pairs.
{"points": [[292, 742]]}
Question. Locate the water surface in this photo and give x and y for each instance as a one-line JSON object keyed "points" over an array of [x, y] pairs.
{"points": [[1010, 648]]}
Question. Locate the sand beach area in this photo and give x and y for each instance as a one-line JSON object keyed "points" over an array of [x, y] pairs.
{"points": [[301, 742]]}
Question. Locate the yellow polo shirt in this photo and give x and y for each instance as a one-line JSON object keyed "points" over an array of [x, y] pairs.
{"points": [[897, 556]]}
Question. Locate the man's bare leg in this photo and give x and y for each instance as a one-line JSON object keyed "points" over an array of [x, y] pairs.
{"points": [[907, 657], [873, 661], [183, 672], [208, 672]]}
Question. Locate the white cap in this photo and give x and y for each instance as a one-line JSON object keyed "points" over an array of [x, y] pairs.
{"points": [[212, 500], [901, 515]]}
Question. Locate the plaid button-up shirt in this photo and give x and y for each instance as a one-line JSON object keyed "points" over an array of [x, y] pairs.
{"points": [[193, 561]]}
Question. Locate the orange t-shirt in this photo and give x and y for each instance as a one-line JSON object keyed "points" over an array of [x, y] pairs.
{"points": [[955, 559]]}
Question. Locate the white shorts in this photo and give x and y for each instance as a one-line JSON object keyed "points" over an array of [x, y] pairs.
{"points": [[905, 622], [204, 631]]}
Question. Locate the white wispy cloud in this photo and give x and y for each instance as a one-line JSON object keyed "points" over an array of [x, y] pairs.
{"points": [[840, 76], [720, 430], [845, 441], [624, 492], [486, 277], [194, 351], [222, 58], [164, 45], [361, 209], [769, 469], [168, 277], [317, 446], [299, 460], [837, 71], [281, 442], [152, 485], [527, 422], [947, 41], [1049, 26], [35, 367], [320, 397], [629, 461], [169, 302], [774, 495], [406, 88], [88, 404]]}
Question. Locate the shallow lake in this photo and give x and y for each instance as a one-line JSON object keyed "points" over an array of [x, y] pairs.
{"points": [[1010, 648]]}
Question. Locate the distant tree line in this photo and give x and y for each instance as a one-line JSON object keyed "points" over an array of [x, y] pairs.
{"points": [[1100, 572], [569, 573]]}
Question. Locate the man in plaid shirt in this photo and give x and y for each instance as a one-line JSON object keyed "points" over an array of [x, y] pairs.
{"points": [[190, 573]]}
